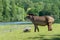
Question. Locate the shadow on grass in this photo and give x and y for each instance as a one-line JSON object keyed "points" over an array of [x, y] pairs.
{"points": [[43, 37], [52, 39]]}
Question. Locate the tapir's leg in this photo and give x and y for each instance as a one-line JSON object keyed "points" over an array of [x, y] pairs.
{"points": [[36, 28], [49, 26]]}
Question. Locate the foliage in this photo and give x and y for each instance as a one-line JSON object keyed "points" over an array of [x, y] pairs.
{"points": [[16, 10]]}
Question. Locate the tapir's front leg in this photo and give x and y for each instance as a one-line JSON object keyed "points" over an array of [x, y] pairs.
{"points": [[36, 28]]}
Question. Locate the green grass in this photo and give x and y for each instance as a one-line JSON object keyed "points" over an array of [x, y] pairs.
{"points": [[15, 32]]}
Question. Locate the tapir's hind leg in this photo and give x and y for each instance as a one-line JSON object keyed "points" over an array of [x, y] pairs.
{"points": [[49, 26]]}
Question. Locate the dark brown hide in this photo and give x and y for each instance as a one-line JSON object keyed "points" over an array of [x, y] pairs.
{"points": [[42, 21]]}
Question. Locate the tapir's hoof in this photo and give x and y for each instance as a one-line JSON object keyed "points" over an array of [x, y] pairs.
{"points": [[50, 30]]}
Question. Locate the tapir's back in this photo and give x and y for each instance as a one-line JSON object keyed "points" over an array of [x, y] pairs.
{"points": [[42, 20]]}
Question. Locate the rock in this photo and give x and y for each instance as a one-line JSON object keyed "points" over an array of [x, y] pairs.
{"points": [[27, 29]]}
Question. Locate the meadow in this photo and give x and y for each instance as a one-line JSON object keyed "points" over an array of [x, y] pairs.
{"points": [[15, 32]]}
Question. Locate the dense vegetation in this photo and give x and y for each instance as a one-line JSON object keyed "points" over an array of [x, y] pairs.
{"points": [[16, 10]]}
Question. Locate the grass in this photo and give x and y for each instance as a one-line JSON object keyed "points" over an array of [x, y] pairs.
{"points": [[15, 32]]}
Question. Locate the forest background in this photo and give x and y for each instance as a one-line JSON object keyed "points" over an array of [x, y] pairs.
{"points": [[16, 10]]}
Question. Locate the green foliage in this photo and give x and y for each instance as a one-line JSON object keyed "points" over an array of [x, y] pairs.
{"points": [[16, 10], [1, 10]]}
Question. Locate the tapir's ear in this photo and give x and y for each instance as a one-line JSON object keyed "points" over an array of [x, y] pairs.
{"points": [[31, 14]]}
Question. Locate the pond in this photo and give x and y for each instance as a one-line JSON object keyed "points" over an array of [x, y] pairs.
{"points": [[5, 23]]}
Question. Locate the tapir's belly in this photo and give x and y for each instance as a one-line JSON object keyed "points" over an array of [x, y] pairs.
{"points": [[40, 23]]}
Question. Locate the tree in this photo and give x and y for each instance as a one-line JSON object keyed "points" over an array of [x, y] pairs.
{"points": [[1, 10], [20, 14], [13, 11]]}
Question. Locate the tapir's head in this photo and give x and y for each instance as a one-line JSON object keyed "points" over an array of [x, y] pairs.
{"points": [[29, 16]]}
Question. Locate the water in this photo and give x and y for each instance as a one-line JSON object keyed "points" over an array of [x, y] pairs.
{"points": [[4, 23]]}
